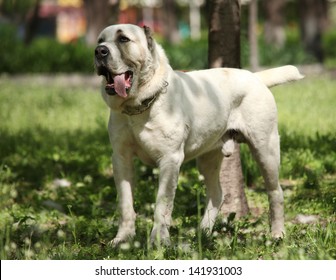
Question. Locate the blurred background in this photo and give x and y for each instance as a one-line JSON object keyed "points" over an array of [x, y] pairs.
{"points": [[49, 36]]}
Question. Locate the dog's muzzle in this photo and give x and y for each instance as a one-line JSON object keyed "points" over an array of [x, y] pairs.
{"points": [[116, 83]]}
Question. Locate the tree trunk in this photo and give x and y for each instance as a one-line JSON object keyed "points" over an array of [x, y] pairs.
{"points": [[224, 51], [32, 23], [99, 14], [313, 21], [275, 22], [232, 183], [224, 33], [195, 19], [253, 35], [170, 30]]}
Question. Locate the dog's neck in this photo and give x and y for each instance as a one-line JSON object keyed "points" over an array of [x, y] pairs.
{"points": [[145, 104], [156, 85]]}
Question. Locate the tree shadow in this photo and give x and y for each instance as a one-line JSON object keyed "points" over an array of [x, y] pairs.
{"points": [[35, 158]]}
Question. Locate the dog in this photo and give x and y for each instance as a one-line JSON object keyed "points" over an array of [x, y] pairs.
{"points": [[166, 117]]}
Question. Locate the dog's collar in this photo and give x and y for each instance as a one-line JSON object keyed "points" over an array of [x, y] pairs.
{"points": [[137, 110], [144, 106]]}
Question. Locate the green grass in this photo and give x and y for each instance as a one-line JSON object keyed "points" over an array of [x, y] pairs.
{"points": [[53, 131], [307, 107]]}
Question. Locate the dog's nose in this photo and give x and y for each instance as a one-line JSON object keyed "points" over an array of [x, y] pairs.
{"points": [[101, 52]]}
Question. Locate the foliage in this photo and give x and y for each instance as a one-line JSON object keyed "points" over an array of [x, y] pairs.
{"points": [[58, 199], [329, 41], [43, 55], [292, 52], [193, 54], [189, 55], [46, 55], [13, 8]]}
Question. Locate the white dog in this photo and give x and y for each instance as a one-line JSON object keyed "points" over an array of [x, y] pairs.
{"points": [[167, 117]]}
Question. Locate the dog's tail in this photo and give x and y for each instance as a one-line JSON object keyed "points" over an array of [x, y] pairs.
{"points": [[280, 75]]}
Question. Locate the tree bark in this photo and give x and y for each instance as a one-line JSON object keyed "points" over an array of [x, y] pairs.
{"points": [[313, 21], [253, 35], [195, 19], [99, 14], [275, 22], [32, 23], [232, 183], [224, 33], [170, 30], [224, 51]]}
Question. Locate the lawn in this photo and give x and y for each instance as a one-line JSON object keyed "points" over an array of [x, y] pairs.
{"points": [[58, 199]]}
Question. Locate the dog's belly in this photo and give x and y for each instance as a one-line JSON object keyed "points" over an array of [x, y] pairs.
{"points": [[192, 151], [200, 144]]}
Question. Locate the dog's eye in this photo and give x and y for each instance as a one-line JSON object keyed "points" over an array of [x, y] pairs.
{"points": [[123, 39]]}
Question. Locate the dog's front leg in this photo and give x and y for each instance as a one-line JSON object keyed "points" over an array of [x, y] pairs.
{"points": [[169, 170], [123, 177]]}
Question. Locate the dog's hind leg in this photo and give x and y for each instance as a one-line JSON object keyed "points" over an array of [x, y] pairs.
{"points": [[266, 150], [209, 166]]}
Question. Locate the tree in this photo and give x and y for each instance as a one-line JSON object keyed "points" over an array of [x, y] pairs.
{"points": [[22, 14], [224, 51], [313, 21], [253, 36], [275, 22], [224, 33], [170, 30], [99, 14], [32, 22], [195, 18]]}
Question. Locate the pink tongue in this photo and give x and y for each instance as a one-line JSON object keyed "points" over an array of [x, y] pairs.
{"points": [[119, 85]]}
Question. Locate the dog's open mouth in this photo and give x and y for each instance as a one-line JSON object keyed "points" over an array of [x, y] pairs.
{"points": [[117, 83]]}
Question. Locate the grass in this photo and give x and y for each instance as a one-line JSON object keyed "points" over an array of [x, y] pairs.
{"points": [[307, 108], [58, 199]]}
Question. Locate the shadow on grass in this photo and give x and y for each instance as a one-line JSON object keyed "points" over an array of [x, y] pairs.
{"points": [[300, 155], [310, 162], [35, 158], [86, 210]]}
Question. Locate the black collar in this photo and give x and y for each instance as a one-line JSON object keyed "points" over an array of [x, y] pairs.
{"points": [[145, 105]]}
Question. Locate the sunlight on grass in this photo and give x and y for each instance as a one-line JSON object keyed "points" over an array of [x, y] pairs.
{"points": [[58, 199], [308, 106], [54, 107]]}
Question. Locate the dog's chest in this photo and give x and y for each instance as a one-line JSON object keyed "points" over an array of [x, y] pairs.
{"points": [[155, 138]]}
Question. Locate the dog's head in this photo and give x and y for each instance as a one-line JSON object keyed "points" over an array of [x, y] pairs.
{"points": [[126, 56]]}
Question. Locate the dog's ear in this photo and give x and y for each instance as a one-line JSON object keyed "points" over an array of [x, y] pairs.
{"points": [[150, 40]]}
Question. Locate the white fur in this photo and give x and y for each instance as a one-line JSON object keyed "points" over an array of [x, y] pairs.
{"points": [[198, 115], [279, 75]]}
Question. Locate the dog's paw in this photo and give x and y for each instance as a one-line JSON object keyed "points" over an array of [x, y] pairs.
{"points": [[160, 236], [278, 235], [115, 242], [121, 238]]}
